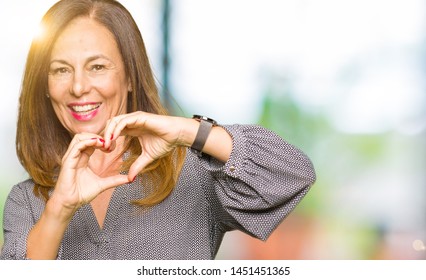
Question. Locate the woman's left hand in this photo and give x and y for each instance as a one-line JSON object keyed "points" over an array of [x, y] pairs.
{"points": [[157, 135]]}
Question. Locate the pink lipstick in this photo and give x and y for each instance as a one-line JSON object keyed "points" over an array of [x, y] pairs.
{"points": [[84, 111]]}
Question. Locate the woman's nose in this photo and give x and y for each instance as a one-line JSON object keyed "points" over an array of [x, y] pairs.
{"points": [[80, 84]]}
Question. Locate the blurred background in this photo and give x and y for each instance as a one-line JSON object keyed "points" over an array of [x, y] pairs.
{"points": [[344, 81]]}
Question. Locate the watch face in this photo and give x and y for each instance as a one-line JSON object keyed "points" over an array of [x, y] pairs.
{"points": [[207, 119]]}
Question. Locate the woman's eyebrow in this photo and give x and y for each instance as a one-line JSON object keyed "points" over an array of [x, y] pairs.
{"points": [[89, 59], [94, 57], [59, 61]]}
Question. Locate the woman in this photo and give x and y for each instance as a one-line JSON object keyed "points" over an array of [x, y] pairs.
{"points": [[111, 177]]}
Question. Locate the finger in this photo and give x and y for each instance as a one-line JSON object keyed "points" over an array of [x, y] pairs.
{"points": [[108, 132], [78, 138], [79, 153], [113, 181], [74, 149], [138, 165], [110, 148], [118, 125]]}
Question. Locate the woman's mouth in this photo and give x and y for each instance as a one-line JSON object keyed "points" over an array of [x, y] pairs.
{"points": [[84, 112]]}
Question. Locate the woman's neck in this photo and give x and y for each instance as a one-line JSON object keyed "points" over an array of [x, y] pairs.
{"points": [[105, 163]]}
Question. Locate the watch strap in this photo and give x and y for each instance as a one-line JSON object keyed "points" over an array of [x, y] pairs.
{"points": [[203, 132]]}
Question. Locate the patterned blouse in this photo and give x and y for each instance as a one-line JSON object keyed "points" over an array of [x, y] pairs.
{"points": [[262, 182]]}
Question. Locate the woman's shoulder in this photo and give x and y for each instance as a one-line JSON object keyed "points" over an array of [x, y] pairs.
{"points": [[27, 184], [25, 188], [22, 195]]}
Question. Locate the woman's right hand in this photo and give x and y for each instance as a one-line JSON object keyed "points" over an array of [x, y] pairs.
{"points": [[77, 184]]}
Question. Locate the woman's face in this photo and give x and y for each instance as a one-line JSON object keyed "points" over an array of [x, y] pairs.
{"points": [[87, 80]]}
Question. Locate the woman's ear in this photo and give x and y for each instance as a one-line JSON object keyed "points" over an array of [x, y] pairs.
{"points": [[129, 85]]}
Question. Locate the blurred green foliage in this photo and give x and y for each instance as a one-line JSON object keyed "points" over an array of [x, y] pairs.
{"points": [[338, 158]]}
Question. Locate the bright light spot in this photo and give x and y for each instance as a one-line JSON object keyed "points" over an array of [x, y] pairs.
{"points": [[39, 31], [418, 245]]}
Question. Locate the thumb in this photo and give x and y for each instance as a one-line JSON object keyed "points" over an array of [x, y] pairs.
{"points": [[113, 181], [140, 163]]}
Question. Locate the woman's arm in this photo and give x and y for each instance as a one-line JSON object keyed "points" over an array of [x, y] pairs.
{"points": [[263, 180], [258, 177], [45, 237], [218, 143], [159, 134]]}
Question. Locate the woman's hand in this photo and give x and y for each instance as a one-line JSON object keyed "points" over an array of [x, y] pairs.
{"points": [[77, 184], [157, 135]]}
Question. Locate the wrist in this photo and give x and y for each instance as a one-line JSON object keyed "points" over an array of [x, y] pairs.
{"points": [[57, 211], [205, 127], [188, 132]]}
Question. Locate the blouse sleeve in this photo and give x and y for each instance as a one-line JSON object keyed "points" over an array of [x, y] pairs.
{"points": [[17, 223], [261, 183], [21, 211]]}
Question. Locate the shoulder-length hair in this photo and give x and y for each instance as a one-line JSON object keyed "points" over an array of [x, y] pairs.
{"points": [[41, 140]]}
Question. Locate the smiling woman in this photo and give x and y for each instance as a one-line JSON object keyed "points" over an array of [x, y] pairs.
{"points": [[71, 47], [82, 63], [111, 175]]}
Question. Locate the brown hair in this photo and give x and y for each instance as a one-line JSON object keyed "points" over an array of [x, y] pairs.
{"points": [[41, 140]]}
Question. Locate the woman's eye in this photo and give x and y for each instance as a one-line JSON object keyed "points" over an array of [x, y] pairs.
{"points": [[60, 71], [98, 67]]}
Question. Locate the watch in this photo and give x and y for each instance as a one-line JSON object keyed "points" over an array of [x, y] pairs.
{"points": [[206, 125]]}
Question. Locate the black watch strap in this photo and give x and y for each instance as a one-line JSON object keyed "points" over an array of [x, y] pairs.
{"points": [[204, 129]]}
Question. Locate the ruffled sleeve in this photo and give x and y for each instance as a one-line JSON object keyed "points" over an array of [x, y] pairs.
{"points": [[261, 183]]}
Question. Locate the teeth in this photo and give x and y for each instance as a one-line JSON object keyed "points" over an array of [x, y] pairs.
{"points": [[85, 108]]}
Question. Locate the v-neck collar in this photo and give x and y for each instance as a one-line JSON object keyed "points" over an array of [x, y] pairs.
{"points": [[95, 232]]}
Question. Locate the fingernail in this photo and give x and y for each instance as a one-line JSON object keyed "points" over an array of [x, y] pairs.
{"points": [[112, 137], [102, 141], [134, 178]]}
